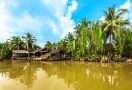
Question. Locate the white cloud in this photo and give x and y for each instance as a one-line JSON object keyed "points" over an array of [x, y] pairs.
{"points": [[5, 30], [54, 28], [10, 25], [127, 5], [9, 2], [102, 18], [41, 44], [62, 13], [67, 24], [58, 18], [71, 8], [27, 22]]}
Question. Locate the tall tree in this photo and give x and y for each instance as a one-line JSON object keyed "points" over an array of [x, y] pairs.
{"points": [[61, 44], [80, 33], [113, 20], [16, 43], [35, 46], [125, 48], [48, 45], [69, 39], [30, 40]]}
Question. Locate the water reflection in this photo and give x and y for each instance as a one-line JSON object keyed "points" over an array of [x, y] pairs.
{"points": [[74, 75], [93, 76], [18, 70]]}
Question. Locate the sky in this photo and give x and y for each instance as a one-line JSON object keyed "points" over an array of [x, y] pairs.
{"points": [[51, 20]]}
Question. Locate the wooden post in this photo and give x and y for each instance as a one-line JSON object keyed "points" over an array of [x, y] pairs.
{"points": [[41, 53]]}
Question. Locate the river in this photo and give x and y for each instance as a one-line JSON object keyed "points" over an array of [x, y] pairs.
{"points": [[64, 75]]}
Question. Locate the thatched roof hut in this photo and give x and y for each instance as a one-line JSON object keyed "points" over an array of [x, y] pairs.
{"points": [[57, 54], [38, 52], [19, 51], [19, 54]]}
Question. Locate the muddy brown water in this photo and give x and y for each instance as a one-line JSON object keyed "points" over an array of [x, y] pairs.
{"points": [[64, 75]]}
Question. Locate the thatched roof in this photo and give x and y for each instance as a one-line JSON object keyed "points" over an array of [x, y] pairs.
{"points": [[20, 51], [39, 50]]}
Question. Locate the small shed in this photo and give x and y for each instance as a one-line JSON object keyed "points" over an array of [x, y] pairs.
{"points": [[19, 54], [38, 52], [57, 53]]}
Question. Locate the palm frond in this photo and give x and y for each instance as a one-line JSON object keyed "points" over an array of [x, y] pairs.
{"points": [[120, 12]]}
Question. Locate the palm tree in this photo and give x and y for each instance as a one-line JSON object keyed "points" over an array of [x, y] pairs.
{"points": [[69, 37], [125, 49], [113, 20], [61, 45], [80, 33], [90, 37], [30, 40], [69, 40], [16, 43], [94, 38], [35, 46], [7, 51], [48, 45]]}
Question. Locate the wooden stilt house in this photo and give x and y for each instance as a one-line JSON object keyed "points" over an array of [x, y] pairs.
{"points": [[19, 54], [57, 55], [38, 52]]}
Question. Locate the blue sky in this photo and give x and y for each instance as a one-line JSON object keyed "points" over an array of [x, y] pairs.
{"points": [[51, 20]]}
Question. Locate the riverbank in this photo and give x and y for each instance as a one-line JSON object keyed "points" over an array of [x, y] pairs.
{"points": [[104, 59]]}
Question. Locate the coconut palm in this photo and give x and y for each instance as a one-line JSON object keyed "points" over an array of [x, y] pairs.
{"points": [[7, 51], [94, 38], [48, 45], [30, 40], [16, 43], [80, 33], [125, 48], [61, 45], [90, 37], [113, 20], [69, 37], [35, 46]]}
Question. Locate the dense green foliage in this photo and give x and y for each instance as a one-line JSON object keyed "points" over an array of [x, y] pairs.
{"points": [[19, 43], [104, 37], [113, 35]]}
